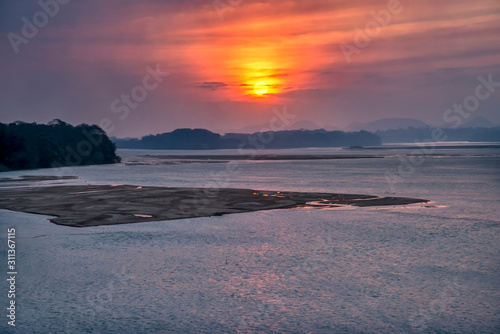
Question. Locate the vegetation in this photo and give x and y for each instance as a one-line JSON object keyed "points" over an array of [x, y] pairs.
{"points": [[200, 139], [56, 144]]}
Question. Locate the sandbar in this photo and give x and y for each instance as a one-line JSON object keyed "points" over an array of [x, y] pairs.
{"points": [[93, 205]]}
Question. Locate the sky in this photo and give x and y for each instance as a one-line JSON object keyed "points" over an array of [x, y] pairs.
{"points": [[151, 66]]}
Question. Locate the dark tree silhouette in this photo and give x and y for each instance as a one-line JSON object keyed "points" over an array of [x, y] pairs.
{"points": [[31, 145], [200, 139]]}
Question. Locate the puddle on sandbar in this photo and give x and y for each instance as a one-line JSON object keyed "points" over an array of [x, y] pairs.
{"points": [[318, 205], [415, 206]]}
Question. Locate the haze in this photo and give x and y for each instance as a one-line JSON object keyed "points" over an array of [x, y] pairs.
{"points": [[416, 63]]}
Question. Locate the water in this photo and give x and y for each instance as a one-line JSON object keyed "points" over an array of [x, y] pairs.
{"points": [[423, 268]]}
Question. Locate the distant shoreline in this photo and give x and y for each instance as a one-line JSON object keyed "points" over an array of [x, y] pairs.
{"points": [[94, 205], [261, 157]]}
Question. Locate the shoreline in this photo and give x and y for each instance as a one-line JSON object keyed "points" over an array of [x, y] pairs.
{"points": [[95, 205], [259, 157]]}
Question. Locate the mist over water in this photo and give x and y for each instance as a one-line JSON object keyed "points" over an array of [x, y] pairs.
{"points": [[418, 268]]}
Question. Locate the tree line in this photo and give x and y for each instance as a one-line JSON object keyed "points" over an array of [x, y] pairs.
{"points": [[201, 139], [56, 144]]}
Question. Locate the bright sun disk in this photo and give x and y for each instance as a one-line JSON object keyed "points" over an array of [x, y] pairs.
{"points": [[260, 88]]}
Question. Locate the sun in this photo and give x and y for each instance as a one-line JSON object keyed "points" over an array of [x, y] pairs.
{"points": [[260, 88]]}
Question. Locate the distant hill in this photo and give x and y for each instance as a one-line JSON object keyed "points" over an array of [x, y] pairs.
{"points": [[304, 125], [332, 128], [201, 139], [381, 124], [56, 144], [424, 134], [386, 124], [476, 122], [300, 125]]}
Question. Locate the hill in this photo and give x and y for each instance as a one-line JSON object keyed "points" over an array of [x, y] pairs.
{"points": [[387, 124], [411, 135], [201, 139]]}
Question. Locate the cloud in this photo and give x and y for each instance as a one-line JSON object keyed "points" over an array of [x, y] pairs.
{"points": [[310, 93], [91, 52], [212, 85]]}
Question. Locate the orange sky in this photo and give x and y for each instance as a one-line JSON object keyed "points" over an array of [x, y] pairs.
{"points": [[93, 49]]}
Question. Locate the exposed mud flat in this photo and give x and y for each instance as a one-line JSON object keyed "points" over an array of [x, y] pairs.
{"points": [[93, 205], [36, 178]]}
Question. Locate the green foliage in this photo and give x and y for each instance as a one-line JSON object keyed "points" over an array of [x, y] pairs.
{"points": [[30, 145]]}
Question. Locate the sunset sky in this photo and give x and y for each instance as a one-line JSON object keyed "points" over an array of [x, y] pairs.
{"points": [[426, 58]]}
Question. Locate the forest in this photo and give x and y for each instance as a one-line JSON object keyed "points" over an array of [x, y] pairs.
{"points": [[201, 139], [56, 144]]}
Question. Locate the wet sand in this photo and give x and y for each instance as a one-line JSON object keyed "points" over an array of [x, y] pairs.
{"points": [[93, 205], [36, 178]]}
